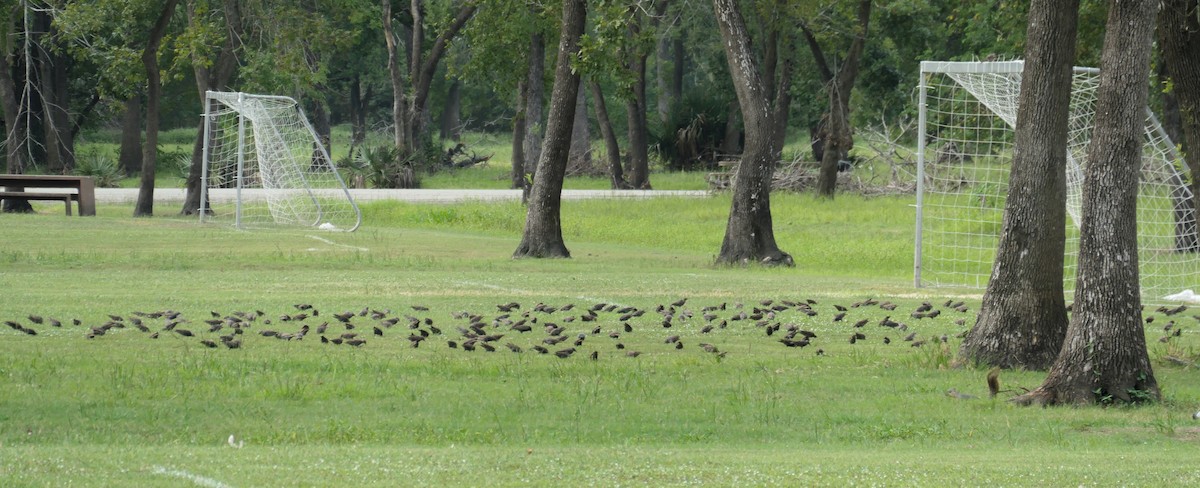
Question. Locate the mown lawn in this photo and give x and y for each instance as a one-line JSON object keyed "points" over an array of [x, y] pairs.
{"points": [[125, 409]]}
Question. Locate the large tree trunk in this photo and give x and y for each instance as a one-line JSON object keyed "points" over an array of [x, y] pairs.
{"points": [[543, 225], [131, 135], [612, 151], [145, 199], [579, 160], [749, 234], [638, 166], [450, 114], [662, 61], [838, 134], [55, 97], [1104, 356], [396, 76], [535, 92], [14, 131], [518, 143], [1179, 40], [1023, 318]]}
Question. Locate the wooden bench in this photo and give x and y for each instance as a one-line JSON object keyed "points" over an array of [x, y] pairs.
{"points": [[81, 189]]}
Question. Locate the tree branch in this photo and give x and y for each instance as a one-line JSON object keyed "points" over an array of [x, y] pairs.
{"points": [[817, 52]]}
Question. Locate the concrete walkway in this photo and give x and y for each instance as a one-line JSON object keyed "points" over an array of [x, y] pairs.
{"points": [[176, 195]]}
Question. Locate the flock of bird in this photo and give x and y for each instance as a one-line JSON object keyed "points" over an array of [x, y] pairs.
{"points": [[564, 330]]}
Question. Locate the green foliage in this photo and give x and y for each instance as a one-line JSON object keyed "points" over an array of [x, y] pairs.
{"points": [[691, 137], [102, 167]]}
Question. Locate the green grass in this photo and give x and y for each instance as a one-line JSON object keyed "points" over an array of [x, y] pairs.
{"points": [[126, 410]]}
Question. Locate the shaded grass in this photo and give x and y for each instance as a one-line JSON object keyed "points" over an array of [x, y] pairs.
{"points": [[113, 410]]}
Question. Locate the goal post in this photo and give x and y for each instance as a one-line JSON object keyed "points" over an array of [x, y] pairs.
{"points": [[966, 121], [264, 165]]}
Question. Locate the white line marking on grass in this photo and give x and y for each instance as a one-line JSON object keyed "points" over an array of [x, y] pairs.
{"points": [[331, 243], [194, 478]]}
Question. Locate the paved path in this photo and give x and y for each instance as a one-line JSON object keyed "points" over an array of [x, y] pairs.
{"points": [[176, 195]]}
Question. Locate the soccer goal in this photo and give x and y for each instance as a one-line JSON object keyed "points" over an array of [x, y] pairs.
{"points": [[968, 111], [265, 166]]}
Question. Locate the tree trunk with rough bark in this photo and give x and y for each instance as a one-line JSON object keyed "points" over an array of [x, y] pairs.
{"points": [[749, 233], [1179, 41], [579, 160], [14, 132], [518, 142], [534, 93], [543, 224], [396, 76], [215, 77], [131, 135], [612, 150], [638, 165], [450, 114], [144, 207], [838, 134], [663, 61], [1023, 317], [1104, 357]]}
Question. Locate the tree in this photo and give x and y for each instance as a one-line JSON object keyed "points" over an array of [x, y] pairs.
{"points": [[1104, 356], [15, 134], [217, 34], [542, 237], [1179, 41], [749, 234], [144, 207], [612, 150], [1023, 317], [638, 164], [834, 130], [410, 89]]}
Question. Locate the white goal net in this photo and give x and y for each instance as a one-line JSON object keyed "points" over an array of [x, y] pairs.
{"points": [[265, 166], [968, 111]]}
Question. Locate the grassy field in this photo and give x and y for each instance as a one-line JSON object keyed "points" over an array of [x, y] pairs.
{"points": [[126, 409]]}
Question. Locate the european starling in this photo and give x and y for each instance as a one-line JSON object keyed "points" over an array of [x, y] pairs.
{"points": [[565, 353], [633, 354], [209, 344], [595, 355], [356, 342]]}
